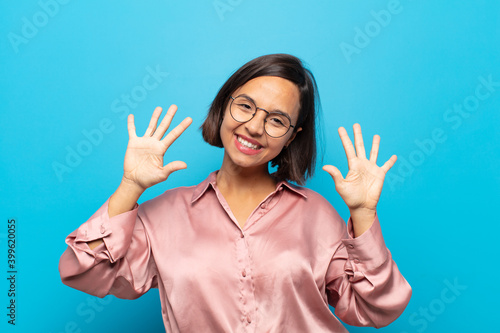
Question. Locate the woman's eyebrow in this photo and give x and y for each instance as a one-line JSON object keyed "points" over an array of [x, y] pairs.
{"points": [[253, 101], [247, 97]]}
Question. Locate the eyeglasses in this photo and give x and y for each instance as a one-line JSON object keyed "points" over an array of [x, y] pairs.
{"points": [[276, 124]]}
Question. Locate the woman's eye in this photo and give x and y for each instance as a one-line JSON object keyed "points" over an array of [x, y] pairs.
{"points": [[245, 106], [276, 121]]}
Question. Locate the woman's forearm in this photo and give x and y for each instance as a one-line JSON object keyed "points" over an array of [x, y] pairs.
{"points": [[124, 198]]}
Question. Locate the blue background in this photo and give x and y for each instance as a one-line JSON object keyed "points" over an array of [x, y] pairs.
{"points": [[64, 70]]}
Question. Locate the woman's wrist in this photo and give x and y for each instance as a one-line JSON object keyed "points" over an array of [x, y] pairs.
{"points": [[125, 198], [130, 187], [362, 219]]}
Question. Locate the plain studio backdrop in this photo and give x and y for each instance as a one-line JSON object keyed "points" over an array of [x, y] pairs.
{"points": [[424, 75]]}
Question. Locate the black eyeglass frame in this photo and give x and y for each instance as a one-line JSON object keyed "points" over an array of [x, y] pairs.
{"points": [[265, 120]]}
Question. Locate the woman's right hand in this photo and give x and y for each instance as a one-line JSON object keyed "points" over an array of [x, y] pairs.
{"points": [[143, 166]]}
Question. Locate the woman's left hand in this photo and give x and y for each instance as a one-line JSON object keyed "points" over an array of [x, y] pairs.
{"points": [[362, 186]]}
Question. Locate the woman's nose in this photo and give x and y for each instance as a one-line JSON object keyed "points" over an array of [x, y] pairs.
{"points": [[255, 126]]}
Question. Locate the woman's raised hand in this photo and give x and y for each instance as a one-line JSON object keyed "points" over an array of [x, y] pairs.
{"points": [[143, 166], [362, 186]]}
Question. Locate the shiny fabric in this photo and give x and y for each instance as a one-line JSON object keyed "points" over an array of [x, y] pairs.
{"points": [[294, 256]]}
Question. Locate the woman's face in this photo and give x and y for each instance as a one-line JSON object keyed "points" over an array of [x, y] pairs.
{"points": [[246, 144]]}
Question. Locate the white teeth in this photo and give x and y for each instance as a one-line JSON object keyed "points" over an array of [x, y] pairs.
{"points": [[247, 144]]}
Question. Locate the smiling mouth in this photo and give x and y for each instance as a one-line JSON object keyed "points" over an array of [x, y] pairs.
{"points": [[247, 144]]}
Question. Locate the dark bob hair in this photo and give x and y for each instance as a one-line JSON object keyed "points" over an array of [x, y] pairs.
{"points": [[297, 161]]}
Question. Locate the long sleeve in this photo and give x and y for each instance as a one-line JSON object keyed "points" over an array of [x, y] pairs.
{"points": [[364, 283], [123, 265]]}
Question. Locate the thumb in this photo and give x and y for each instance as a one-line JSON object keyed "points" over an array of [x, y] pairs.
{"points": [[172, 167], [335, 173]]}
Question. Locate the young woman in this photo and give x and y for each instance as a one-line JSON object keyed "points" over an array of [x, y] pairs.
{"points": [[246, 250]]}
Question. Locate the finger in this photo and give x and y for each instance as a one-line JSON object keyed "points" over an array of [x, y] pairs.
{"points": [[177, 131], [375, 146], [172, 167], [153, 122], [131, 126], [347, 143], [335, 173], [358, 141], [387, 165], [165, 122]]}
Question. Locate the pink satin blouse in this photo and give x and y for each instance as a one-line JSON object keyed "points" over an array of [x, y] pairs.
{"points": [[293, 257]]}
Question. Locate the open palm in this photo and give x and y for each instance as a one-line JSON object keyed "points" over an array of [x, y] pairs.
{"points": [[143, 164], [362, 186]]}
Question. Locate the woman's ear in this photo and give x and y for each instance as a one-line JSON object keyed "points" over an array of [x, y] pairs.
{"points": [[221, 117], [293, 136]]}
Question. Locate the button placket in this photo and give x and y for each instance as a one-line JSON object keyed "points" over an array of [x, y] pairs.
{"points": [[247, 297]]}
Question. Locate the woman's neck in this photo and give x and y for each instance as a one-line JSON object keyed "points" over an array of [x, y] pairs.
{"points": [[244, 188], [236, 180]]}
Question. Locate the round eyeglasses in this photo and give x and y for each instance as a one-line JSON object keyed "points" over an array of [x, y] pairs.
{"points": [[276, 124]]}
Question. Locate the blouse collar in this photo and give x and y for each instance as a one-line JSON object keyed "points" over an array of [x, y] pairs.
{"points": [[211, 181]]}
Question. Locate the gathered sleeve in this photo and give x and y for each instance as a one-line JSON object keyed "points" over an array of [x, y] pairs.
{"points": [[363, 282], [122, 265]]}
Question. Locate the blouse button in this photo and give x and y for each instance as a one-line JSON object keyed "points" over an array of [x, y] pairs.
{"points": [[351, 246], [356, 261], [263, 206], [244, 273], [103, 229], [249, 320]]}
